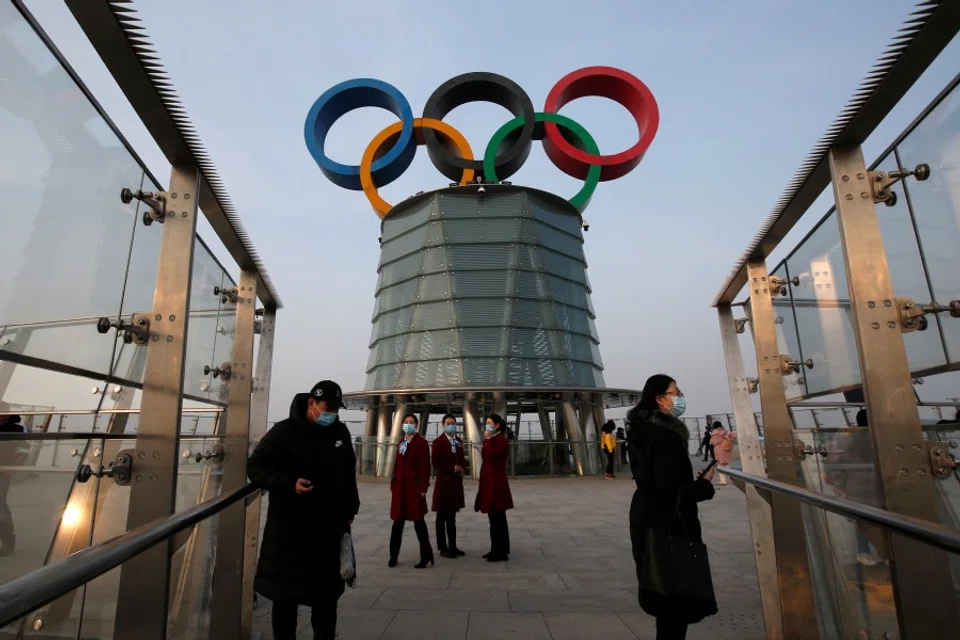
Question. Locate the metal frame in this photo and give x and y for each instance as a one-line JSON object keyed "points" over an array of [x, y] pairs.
{"points": [[796, 587], [931, 27], [759, 510], [142, 604], [919, 574], [226, 617], [114, 30]]}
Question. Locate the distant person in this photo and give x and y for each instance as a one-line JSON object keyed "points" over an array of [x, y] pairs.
{"points": [[708, 450], [722, 441], [608, 443], [308, 466], [12, 454], [408, 489], [622, 444], [666, 497], [493, 494], [450, 461]]}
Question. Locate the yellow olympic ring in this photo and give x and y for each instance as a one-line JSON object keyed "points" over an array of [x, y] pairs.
{"points": [[385, 140]]}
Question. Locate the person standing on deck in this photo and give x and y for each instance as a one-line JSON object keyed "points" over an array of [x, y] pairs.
{"points": [[408, 489], [450, 461], [308, 466], [609, 445], [493, 495]]}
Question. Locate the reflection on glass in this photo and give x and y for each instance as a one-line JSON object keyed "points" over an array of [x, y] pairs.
{"points": [[66, 233], [822, 306], [786, 326], [204, 320], [25, 389], [924, 348], [936, 203], [851, 557]]}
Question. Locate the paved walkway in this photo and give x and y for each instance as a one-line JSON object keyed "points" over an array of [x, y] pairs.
{"points": [[570, 576]]}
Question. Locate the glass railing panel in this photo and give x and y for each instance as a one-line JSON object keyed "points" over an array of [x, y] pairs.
{"points": [[43, 515], [851, 559], [935, 205], [795, 385], [204, 319], [947, 436], [196, 482], [822, 308]]}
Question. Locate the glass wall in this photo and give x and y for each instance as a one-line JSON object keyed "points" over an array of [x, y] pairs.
{"points": [[72, 251], [921, 233]]}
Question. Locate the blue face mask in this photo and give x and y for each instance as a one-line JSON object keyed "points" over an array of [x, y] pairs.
{"points": [[450, 428], [409, 428], [326, 418], [491, 427], [679, 406]]}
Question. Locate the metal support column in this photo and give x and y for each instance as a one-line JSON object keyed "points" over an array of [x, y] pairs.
{"points": [[589, 428], [758, 509], [499, 404], [920, 573], [142, 604], [227, 596], [796, 588], [383, 433], [368, 448], [396, 433], [472, 431], [574, 434], [259, 406]]}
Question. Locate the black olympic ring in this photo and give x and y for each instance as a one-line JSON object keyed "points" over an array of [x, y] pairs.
{"points": [[480, 86]]}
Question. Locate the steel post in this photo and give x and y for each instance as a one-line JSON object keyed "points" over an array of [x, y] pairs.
{"points": [[920, 573]]}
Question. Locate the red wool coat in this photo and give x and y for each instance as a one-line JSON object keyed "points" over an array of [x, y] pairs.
{"points": [[448, 487], [411, 479], [494, 492]]}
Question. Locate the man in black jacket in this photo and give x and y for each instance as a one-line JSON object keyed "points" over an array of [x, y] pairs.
{"points": [[10, 455], [308, 465]]}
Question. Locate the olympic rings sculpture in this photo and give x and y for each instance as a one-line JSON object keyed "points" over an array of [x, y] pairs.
{"points": [[567, 144]]}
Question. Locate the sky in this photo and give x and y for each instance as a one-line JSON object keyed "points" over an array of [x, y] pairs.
{"points": [[744, 88]]}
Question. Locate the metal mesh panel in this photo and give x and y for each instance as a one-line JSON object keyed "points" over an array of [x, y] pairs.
{"points": [[473, 284], [402, 269], [402, 245], [454, 309], [407, 219]]}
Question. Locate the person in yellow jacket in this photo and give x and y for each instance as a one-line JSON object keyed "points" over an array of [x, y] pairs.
{"points": [[609, 445]]}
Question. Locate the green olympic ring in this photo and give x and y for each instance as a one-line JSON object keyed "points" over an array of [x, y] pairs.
{"points": [[584, 142]]}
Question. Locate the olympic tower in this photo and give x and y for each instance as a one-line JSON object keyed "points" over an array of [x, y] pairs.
{"points": [[482, 301]]}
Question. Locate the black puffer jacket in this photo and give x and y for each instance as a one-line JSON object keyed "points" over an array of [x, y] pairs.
{"points": [[300, 553], [663, 471]]}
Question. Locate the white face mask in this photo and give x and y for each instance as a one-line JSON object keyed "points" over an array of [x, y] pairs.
{"points": [[409, 427], [490, 427]]}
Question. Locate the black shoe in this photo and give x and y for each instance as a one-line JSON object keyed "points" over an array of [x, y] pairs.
{"points": [[497, 557], [448, 554], [424, 562], [487, 555], [392, 563], [457, 552]]}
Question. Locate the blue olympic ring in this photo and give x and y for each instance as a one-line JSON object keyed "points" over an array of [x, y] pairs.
{"points": [[343, 98]]}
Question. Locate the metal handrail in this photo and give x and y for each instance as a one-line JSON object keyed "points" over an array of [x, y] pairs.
{"points": [[932, 534], [94, 412], [87, 435], [33, 590]]}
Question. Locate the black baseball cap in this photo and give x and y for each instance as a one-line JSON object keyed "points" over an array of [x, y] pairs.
{"points": [[328, 391]]}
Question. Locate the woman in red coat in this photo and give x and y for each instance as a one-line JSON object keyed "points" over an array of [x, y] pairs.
{"points": [[449, 461], [493, 496], [408, 488]]}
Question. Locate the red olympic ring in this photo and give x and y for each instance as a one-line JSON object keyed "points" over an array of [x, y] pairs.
{"points": [[605, 82]]}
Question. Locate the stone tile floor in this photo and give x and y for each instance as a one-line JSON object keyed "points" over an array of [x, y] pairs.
{"points": [[570, 576]]}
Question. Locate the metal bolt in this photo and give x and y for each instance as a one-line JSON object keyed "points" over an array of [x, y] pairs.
{"points": [[845, 178], [871, 304], [173, 196], [875, 325], [864, 194], [172, 317], [38, 624], [169, 338], [186, 196], [916, 448], [922, 472], [860, 176], [154, 337], [898, 448], [887, 303], [904, 472], [156, 455], [892, 324], [74, 452], [158, 317], [141, 455], [183, 215], [96, 452], [849, 196]]}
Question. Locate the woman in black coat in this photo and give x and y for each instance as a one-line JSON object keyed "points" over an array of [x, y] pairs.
{"points": [[307, 463], [662, 470]]}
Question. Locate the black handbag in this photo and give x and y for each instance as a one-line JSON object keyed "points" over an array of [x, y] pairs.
{"points": [[675, 579]]}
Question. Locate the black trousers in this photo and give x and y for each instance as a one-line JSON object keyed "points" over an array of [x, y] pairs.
{"points": [[396, 537], [447, 530], [610, 459], [499, 533], [671, 629], [708, 452], [623, 453], [323, 619]]}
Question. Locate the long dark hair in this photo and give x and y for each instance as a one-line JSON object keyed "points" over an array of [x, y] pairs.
{"points": [[449, 416], [609, 426], [496, 419], [655, 387], [416, 420]]}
